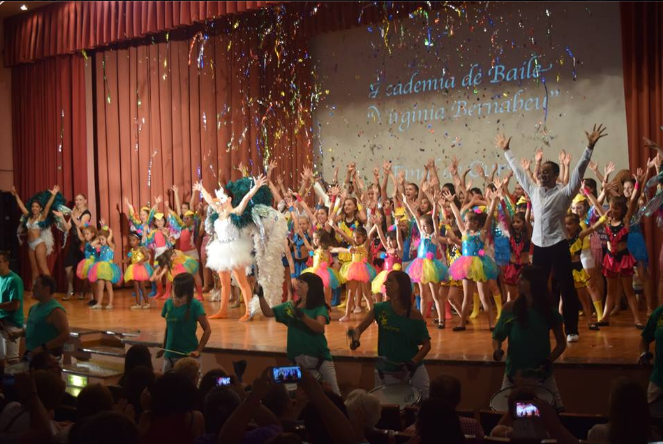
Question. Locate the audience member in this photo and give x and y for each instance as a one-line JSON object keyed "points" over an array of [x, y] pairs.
{"points": [[208, 382], [46, 361], [189, 368], [136, 382], [629, 420], [110, 428], [447, 388], [137, 355], [11, 310], [92, 400], [364, 411]]}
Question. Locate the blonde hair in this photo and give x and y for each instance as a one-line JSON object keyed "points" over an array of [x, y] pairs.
{"points": [[189, 368], [362, 404]]}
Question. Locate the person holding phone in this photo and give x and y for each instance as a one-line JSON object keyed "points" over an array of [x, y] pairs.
{"points": [[183, 313], [527, 322], [306, 320], [403, 339]]}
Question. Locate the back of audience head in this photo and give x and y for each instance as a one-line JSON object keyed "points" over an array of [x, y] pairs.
{"points": [[220, 403], [209, 381], [189, 368], [137, 355], [50, 388], [278, 400], [629, 413], [107, 428], [363, 407], [447, 388], [173, 393], [315, 427], [45, 361], [93, 399], [135, 382], [436, 415]]}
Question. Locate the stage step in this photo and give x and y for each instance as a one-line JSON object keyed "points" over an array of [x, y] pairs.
{"points": [[95, 369]]}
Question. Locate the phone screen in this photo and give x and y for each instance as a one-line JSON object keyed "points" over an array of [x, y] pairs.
{"points": [[526, 410], [223, 380], [287, 375]]}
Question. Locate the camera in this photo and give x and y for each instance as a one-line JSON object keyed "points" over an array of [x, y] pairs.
{"points": [[223, 380], [287, 375]]}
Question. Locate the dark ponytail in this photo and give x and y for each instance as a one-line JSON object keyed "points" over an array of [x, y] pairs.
{"points": [[183, 285]]}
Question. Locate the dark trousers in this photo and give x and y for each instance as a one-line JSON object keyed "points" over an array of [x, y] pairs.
{"points": [[558, 259]]}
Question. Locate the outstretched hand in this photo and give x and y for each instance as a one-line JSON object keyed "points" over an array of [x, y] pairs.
{"points": [[595, 135], [502, 142]]}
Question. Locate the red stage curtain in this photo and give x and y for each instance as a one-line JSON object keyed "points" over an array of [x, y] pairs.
{"points": [[48, 111], [162, 121], [642, 53], [67, 27]]}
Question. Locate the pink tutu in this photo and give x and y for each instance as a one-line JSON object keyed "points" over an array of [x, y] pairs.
{"points": [[330, 277], [357, 271], [474, 268], [426, 270]]}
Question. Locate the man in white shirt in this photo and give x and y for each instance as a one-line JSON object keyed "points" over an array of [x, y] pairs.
{"points": [[550, 203]]}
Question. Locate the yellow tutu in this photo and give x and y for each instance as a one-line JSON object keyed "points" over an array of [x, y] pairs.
{"points": [[580, 275], [378, 282]]}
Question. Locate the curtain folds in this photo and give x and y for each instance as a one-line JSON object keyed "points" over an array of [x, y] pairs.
{"points": [[68, 27], [642, 54], [49, 135]]}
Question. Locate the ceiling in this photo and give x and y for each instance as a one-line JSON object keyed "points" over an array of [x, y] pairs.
{"points": [[8, 9]]}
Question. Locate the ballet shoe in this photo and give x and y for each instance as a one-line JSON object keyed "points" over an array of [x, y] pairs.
{"points": [[245, 318], [220, 315], [345, 318]]}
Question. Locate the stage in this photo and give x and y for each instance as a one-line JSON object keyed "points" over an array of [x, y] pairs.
{"points": [[585, 367]]}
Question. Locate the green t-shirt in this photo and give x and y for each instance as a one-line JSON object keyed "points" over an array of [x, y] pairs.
{"points": [[11, 289], [38, 331], [301, 339], [399, 337], [528, 346], [654, 332], [181, 332]]}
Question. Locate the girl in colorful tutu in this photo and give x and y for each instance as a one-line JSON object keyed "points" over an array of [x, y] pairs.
{"points": [[520, 236], [393, 256], [158, 239], [171, 263], [104, 271], [357, 273], [618, 263], [87, 234], [426, 270], [139, 271], [322, 260], [579, 241], [474, 266], [142, 222]]}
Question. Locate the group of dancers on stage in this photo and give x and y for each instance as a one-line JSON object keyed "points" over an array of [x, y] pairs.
{"points": [[462, 243]]}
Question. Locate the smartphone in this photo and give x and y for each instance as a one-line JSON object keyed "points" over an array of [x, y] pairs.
{"points": [[77, 381], [287, 375], [223, 380], [526, 410]]}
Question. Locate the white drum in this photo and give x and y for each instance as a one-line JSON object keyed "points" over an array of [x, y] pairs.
{"points": [[402, 394]]}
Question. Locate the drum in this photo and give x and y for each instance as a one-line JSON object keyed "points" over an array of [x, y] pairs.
{"points": [[19, 367], [402, 394], [500, 400]]}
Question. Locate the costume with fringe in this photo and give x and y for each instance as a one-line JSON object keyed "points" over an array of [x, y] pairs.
{"points": [[321, 261], [45, 234], [181, 263], [137, 226], [618, 263], [391, 262], [261, 229], [83, 267], [580, 275], [158, 242], [104, 269], [519, 244], [425, 268], [474, 264], [358, 269], [140, 269], [452, 254]]}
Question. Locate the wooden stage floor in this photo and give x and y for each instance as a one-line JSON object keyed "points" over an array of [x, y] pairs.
{"points": [[614, 345]]}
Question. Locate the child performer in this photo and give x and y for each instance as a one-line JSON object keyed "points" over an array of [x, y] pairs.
{"points": [[87, 233], [474, 266], [393, 259], [173, 263], [519, 231], [139, 271], [425, 269], [358, 273], [322, 261], [104, 271]]}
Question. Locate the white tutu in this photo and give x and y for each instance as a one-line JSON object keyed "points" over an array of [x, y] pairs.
{"points": [[230, 249]]}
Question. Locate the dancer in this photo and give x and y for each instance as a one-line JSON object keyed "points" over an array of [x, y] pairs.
{"points": [[393, 259], [143, 221], [550, 202], [87, 233], [231, 250], [403, 339], [357, 273], [474, 267], [104, 272], [322, 261], [37, 223], [426, 270], [79, 215], [519, 231], [173, 263], [139, 271], [306, 319]]}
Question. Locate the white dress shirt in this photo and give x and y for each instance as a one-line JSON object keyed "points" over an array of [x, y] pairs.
{"points": [[550, 206]]}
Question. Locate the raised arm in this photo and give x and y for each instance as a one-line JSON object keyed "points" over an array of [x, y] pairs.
{"points": [[414, 215], [19, 202], [386, 167], [579, 171], [503, 143], [47, 208], [487, 226], [176, 195], [207, 197], [259, 182], [454, 209]]}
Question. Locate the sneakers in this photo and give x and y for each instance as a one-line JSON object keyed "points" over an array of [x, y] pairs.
{"points": [[108, 307], [92, 302], [81, 296], [68, 296], [135, 307], [96, 307], [572, 338], [146, 306]]}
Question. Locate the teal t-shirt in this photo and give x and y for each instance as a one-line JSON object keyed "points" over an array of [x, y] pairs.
{"points": [[399, 337], [528, 346], [38, 331], [11, 289], [181, 332], [654, 332], [301, 339]]}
